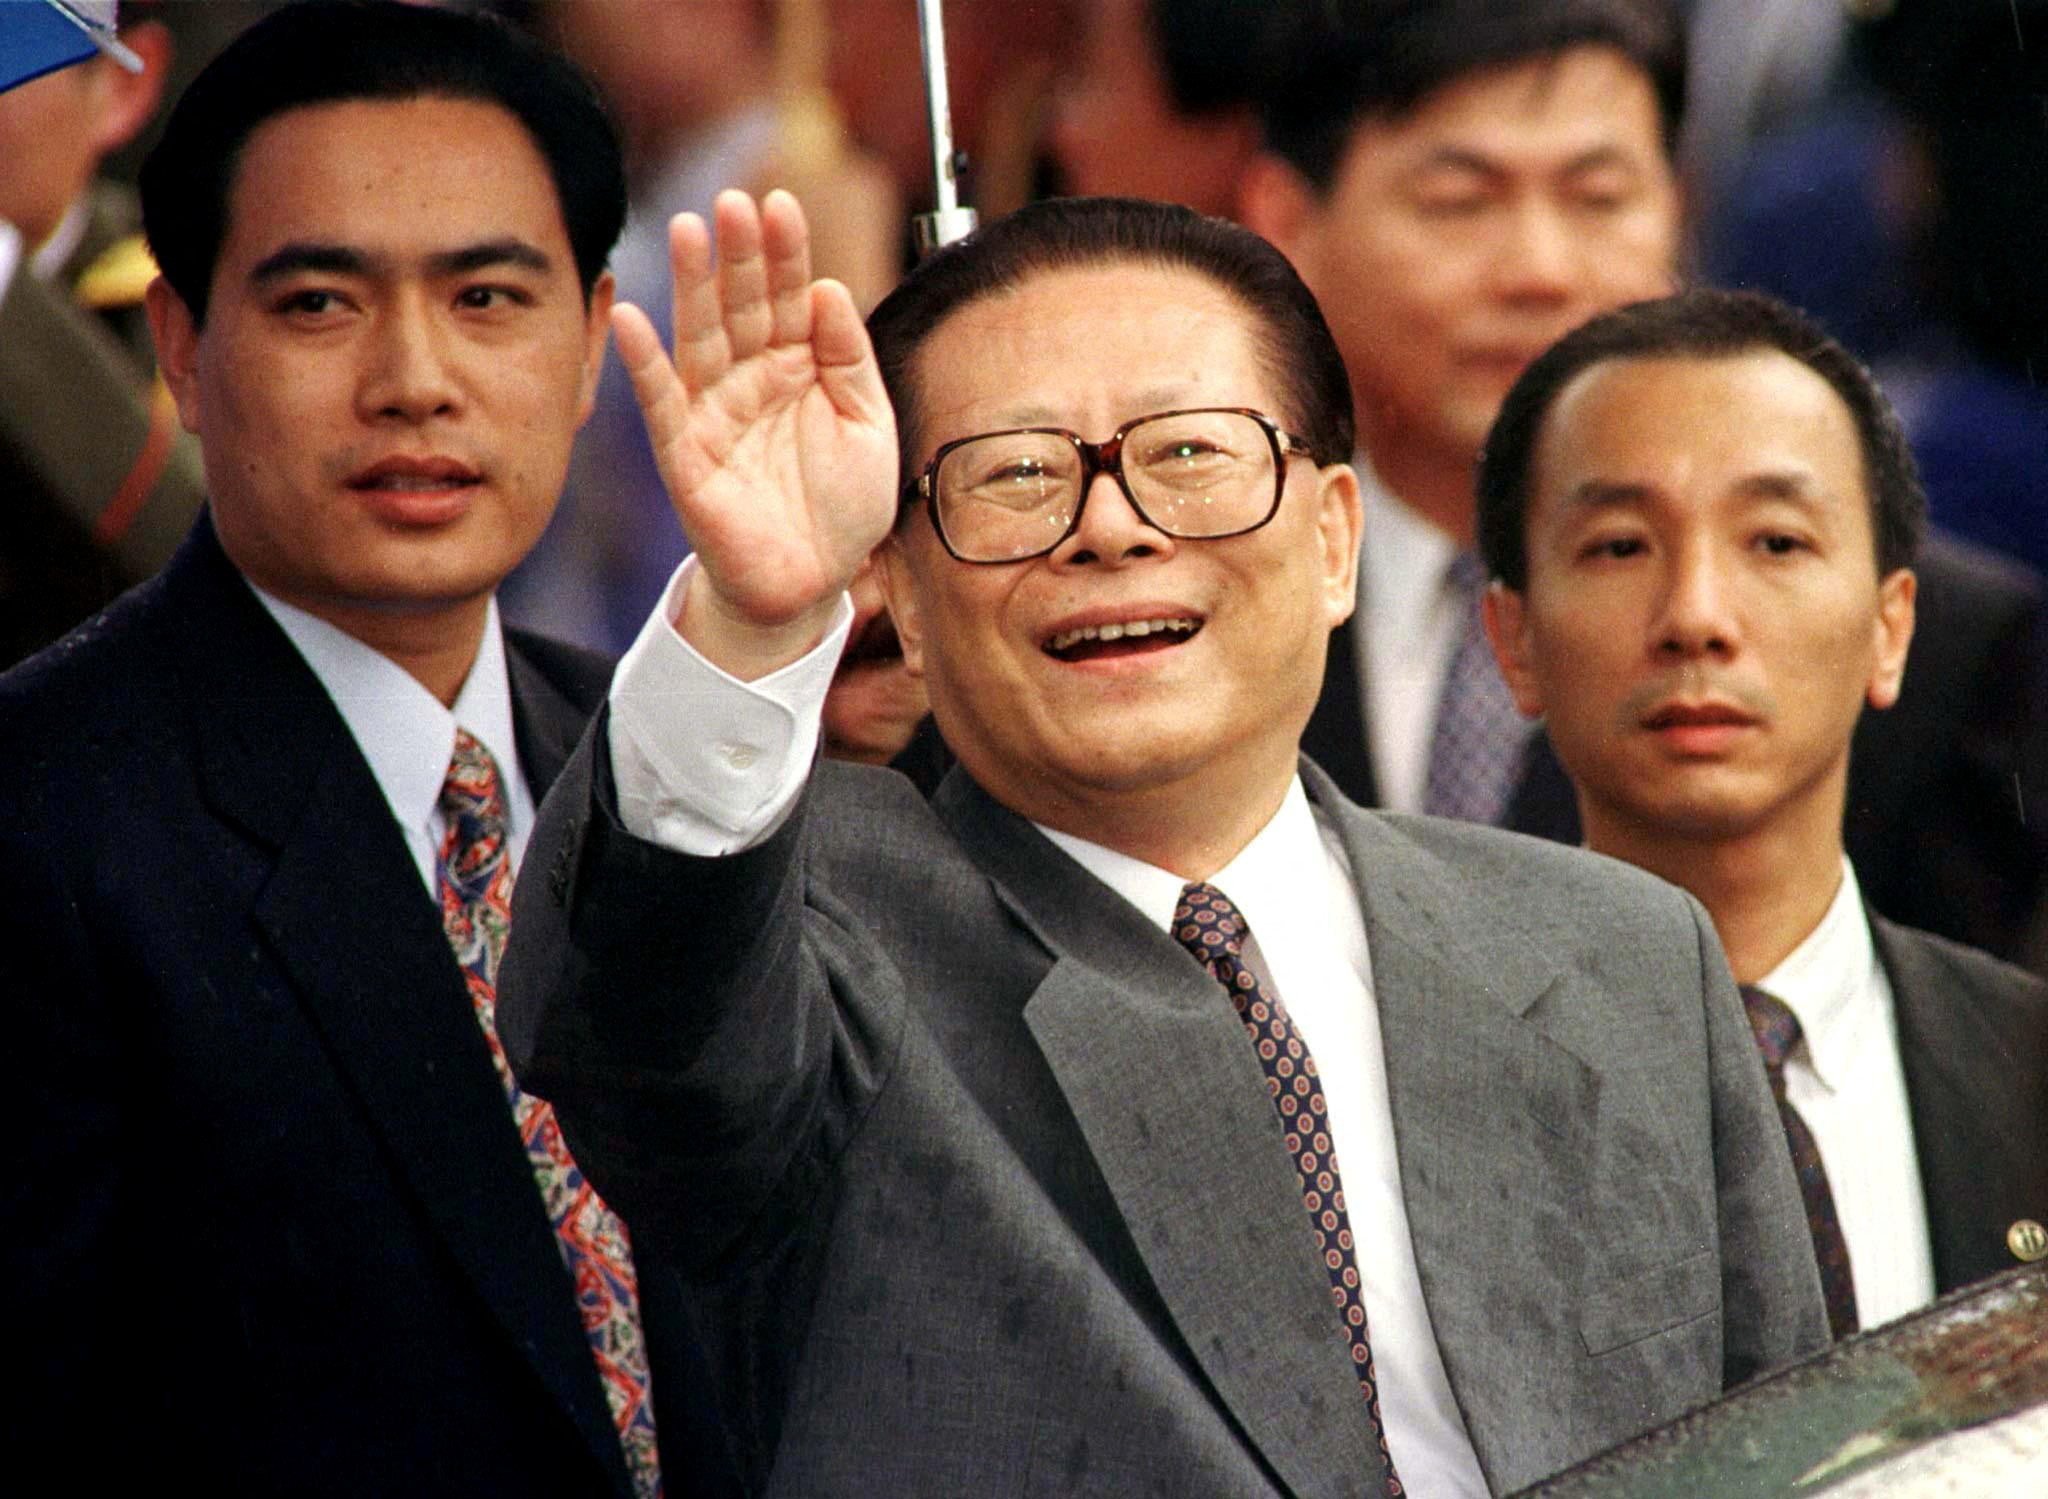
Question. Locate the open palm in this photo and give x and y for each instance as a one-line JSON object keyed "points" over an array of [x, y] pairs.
{"points": [[770, 426]]}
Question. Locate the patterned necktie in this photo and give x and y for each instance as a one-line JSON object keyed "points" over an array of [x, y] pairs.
{"points": [[1476, 751], [1210, 927], [476, 899], [1777, 1032]]}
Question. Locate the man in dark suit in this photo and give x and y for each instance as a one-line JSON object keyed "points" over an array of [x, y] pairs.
{"points": [[1461, 182], [1702, 516], [275, 1222], [945, 1114]]}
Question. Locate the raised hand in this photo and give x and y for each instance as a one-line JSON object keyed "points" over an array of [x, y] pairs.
{"points": [[771, 429]]}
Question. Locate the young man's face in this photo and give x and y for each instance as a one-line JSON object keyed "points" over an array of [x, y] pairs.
{"points": [[1045, 720], [1703, 619], [395, 357], [1460, 240]]}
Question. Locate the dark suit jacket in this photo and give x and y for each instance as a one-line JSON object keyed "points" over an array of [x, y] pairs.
{"points": [[977, 1189], [1944, 821], [1973, 1036], [268, 1225]]}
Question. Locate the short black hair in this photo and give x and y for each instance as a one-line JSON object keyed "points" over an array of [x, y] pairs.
{"points": [[1220, 55], [1696, 324], [1057, 234], [1380, 59], [332, 51]]}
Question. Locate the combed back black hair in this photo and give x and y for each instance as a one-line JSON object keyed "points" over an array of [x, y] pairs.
{"points": [[1379, 59], [332, 51], [1698, 324], [1294, 343]]}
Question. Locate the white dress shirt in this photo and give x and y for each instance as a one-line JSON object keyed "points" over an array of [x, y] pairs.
{"points": [[1847, 1082], [1404, 631], [682, 729], [405, 734]]}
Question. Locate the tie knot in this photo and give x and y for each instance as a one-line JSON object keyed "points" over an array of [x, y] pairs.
{"points": [[472, 791], [1207, 924], [1466, 574], [1775, 1026]]}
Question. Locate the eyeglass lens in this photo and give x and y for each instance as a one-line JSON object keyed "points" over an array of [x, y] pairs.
{"points": [[1194, 474]]}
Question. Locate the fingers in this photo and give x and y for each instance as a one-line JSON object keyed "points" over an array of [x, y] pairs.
{"points": [[742, 275], [756, 297], [663, 401], [786, 242], [702, 353]]}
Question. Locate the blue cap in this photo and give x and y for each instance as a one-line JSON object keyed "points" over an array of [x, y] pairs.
{"points": [[38, 38]]}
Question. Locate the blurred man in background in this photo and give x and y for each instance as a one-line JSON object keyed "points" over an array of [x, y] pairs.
{"points": [[1461, 183], [100, 482]]}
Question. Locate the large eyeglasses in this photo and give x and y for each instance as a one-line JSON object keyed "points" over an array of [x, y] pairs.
{"points": [[1197, 475]]}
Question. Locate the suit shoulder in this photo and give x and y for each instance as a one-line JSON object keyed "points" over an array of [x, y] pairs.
{"points": [[1534, 882], [89, 672], [1959, 966], [582, 676]]}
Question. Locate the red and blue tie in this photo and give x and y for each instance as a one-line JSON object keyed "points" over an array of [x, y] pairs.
{"points": [[476, 903]]}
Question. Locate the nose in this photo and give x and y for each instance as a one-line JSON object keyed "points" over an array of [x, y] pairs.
{"points": [[1698, 616], [1111, 532], [1540, 260], [407, 372]]}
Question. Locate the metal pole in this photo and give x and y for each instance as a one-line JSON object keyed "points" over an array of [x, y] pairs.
{"points": [[949, 220]]}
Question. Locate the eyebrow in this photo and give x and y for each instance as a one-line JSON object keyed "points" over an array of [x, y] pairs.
{"points": [[1789, 486], [1463, 158], [302, 256], [1152, 399]]}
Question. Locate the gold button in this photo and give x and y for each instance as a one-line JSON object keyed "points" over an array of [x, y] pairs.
{"points": [[2027, 1240]]}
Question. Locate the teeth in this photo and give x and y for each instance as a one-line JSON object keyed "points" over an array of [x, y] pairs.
{"points": [[1068, 638]]}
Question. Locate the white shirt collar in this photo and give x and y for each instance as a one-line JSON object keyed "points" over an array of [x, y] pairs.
{"points": [[1823, 979], [1264, 869], [404, 733], [1405, 557]]}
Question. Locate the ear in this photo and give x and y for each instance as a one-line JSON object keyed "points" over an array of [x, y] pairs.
{"points": [[892, 571], [1505, 613], [596, 329], [127, 100], [1893, 631], [176, 336], [1340, 522], [1279, 205]]}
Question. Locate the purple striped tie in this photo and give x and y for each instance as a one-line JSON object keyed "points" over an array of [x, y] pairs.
{"points": [[1777, 1032]]}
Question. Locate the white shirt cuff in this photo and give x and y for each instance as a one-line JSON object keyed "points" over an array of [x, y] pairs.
{"points": [[704, 763]]}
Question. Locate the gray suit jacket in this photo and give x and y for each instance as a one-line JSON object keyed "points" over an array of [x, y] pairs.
{"points": [[975, 1188]]}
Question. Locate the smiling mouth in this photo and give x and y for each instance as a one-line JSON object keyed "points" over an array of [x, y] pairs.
{"points": [[1128, 638], [407, 476]]}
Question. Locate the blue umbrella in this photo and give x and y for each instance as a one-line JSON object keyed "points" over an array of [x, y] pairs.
{"points": [[40, 36]]}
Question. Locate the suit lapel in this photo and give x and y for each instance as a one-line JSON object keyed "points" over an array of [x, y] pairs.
{"points": [[1487, 1108], [1980, 1113], [1154, 1065], [346, 919]]}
